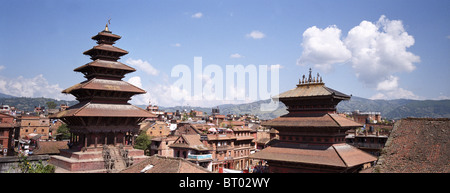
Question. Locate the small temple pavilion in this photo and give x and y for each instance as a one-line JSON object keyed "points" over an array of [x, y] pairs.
{"points": [[103, 118], [312, 134]]}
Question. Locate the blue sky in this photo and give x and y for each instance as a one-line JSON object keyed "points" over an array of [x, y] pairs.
{"points": [[41, 42]]}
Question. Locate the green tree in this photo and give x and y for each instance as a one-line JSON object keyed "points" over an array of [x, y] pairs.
{"points": [[142, 141], [51, 105], [26, 167], [64, 132]]}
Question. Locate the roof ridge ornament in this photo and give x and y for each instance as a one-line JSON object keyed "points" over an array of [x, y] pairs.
{"points": [[106, 27], [310, 79]]}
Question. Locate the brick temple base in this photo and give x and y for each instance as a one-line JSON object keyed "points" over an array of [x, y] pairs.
{"points": [[91, 160]]}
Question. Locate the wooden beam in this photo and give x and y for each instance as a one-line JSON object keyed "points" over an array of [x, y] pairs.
{"points": [[82, 121], [98, 121]]}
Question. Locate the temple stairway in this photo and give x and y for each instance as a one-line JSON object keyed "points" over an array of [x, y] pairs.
{"points": [[119, 163]]}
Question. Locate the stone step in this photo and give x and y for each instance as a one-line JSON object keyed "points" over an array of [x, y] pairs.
{"points": [[119, 162]]}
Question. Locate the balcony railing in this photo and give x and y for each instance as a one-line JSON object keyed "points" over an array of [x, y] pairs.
{"points": [[368, 145], [200, 157]]}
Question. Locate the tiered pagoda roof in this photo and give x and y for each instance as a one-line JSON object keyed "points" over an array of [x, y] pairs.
{"points": [[104, 95], [312, 134]]}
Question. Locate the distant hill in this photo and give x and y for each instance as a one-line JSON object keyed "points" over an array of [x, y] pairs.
{"points": [[28, 104], [6, 96], [392, 109], [398, 108]]}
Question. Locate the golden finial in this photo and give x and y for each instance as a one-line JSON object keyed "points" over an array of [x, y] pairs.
{"points": [[106, 27]]}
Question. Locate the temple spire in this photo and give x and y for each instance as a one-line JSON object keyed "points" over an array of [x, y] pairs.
{"points": [[106, 27], [310, 78]]}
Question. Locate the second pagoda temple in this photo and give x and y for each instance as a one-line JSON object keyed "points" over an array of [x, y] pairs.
{"points": [[103, 116], [312, 134]]}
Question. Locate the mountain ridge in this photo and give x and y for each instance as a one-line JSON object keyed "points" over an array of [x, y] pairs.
{"points": [[391, 109]]}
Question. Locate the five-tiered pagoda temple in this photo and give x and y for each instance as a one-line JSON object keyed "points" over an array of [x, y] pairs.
{"points": [[312, 134], [103, 117]]}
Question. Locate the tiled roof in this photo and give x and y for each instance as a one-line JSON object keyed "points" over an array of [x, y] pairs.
{"points": [[311, 90], [87, 109], [324, 120], [106, 47], [104, 84], [50, 147], [106, 64], [165, 165], [191, 141], [116, 37], [417, 145], [336, 155]]}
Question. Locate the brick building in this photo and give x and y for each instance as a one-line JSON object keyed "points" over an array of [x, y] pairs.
{"points": [[155, 129], [34, 125], [160, 146], [8, 126], [215, 148]]}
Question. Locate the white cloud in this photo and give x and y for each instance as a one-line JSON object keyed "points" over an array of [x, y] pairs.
{"points": [[396, 93], [323, 47], [142, 99], [376, 51], [197, 15], [442, 97], [379, 50], [136, 81], [276, 66], [256, 35], [32, 87], [236, 55], [2, 67], [176, 45], [389, 84], [143, 65]]}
